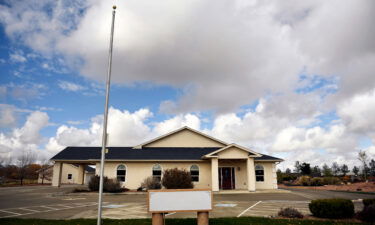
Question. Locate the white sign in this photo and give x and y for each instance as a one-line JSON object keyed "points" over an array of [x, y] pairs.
{"points": [[177, 200]]}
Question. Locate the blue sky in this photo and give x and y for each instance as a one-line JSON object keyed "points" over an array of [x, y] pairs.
{"points": [[246, 72]]}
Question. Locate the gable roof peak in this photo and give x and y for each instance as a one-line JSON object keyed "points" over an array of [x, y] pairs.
{"points": [[178, 130]]}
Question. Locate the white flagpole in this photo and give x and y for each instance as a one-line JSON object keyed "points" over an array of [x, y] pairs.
{"points": [[104, 138]]}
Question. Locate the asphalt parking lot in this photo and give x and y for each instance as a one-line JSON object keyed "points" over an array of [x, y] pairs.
{"points": [[58, 203]]}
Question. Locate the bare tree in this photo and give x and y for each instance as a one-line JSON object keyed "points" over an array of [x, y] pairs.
{"points": [[46, 172], [362, 156], [23, 161]]}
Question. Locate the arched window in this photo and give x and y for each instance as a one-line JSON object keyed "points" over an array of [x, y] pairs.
{"points": [[156, 172], [259, 173], [194, 173], [121, 173]]}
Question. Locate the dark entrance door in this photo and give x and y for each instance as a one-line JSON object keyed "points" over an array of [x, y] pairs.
{"points": [[226, 178]]}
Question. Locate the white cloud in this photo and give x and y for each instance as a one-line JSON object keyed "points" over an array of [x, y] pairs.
{"points": [[17, 57], [25, 138], [69, 86], [177, 122], [23, 92], [236, 53], [358, 112], [7, 115]]}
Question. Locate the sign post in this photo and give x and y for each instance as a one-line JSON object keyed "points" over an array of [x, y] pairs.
{"points": [[180, 200]]}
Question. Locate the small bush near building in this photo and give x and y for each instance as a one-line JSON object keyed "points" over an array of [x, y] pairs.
{"points": [[369, 201], [150, 183], [177, 179], [94, 183], [367, 214], [290, 213], [112, 185], [332, 208], [109, 185]]}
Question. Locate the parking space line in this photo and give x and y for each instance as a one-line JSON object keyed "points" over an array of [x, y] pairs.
{"points": [[248, 209], [32, 210], [10, 212], [48, 207], [68, 207]]}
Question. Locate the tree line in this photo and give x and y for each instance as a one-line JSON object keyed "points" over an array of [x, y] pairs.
{"points": [[24, 167], [366, 169]]}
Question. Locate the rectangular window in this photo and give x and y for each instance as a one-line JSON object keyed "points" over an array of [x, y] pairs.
{"points": [[194, 175], [157, 174], [121, 175], [69, 176], [259, 175]]}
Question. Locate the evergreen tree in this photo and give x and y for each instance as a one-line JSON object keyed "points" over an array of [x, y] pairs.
{"points": [[287, 171], [316, 171], [305, 168], [372, 167], [355, 170], [335, 168], [344, 169], [327, 172]]}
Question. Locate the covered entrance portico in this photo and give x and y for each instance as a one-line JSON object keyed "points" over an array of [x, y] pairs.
{"points": [[232, 168], [74, 171]]}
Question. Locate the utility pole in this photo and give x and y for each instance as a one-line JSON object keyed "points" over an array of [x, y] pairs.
{"points": [[105, 135]]}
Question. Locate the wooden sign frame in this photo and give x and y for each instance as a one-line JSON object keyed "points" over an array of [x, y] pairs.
{"points": [[178, 190]]}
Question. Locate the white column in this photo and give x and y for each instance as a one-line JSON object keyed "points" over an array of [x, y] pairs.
{"points": [[57, 172], [274, 176], [215, 174], [81, 174], [250, 174]]}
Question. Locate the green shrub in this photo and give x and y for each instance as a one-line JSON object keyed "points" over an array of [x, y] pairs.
{"points": [[331, 180], [316, 181], [332, 208], [369, 201], [177, 179], [290, 213], [303, 180], [367, 214], [150, 183]]}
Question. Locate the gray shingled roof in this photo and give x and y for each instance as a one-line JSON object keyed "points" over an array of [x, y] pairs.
{"points": [[268, 157], [128, 153], [88, 153]]}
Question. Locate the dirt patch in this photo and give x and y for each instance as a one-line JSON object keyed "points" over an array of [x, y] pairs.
{"points": [[360, 187]]}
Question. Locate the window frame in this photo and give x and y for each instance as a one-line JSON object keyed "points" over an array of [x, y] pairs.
{"points": [[121, 176], [70, 176], [159, 177], [261, 175], [194, 176]]}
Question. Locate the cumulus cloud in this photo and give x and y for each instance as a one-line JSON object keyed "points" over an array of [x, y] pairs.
{"points": [[235, 50], [25, 138], [221, 56]]}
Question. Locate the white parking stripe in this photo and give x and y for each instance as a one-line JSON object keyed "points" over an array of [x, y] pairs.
{"points": [[10, 212], [32, 210], [248, 209], [48, 207]]}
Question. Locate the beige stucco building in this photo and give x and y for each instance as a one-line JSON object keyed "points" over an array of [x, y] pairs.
{"points": [[70, 174], [212, 163]]}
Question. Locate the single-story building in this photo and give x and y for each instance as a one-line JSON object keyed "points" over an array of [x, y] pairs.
{"points": [[212, 163], [69, 174]]}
